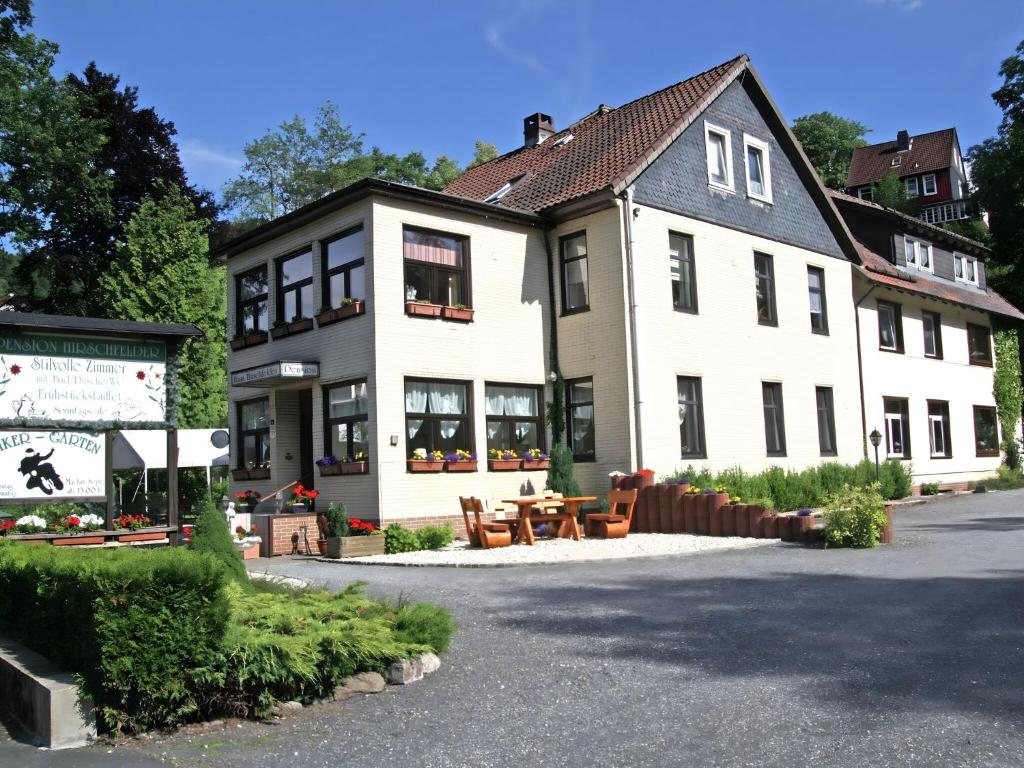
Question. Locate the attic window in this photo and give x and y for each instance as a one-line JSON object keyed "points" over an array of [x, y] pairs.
{"points": [[563, 141], [897, 160], [504, 189]]}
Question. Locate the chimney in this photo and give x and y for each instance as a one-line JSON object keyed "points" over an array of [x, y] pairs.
{"points": [[902, 141], [536, 128]]}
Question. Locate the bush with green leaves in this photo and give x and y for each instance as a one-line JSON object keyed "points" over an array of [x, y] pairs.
{"points": [[211, 535], [435, 536], [398, 539], [337, 520], [929, 489], [854, 517], [142, 629], [560, 477]]}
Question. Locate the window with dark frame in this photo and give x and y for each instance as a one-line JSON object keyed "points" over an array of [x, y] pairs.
{"points": [[774, 418], [514, 417], [979, 344], [295, 287], [826, 421], [346, 415], [764, 287], [818, 304], [890, 326], [691, 417], [579, 406], [938, 429], [344, 268], [251, 292], [683, 272], [437, 415], [932, 324], [254, 433], [897, 427], [986, 431], [436, 266], [575, 273]]}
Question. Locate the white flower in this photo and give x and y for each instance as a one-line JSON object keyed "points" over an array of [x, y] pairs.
{"points": [[86, 520], [420, 454], [34, 520]]}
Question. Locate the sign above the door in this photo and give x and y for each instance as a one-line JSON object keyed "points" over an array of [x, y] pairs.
{"points": [[283, 372]]}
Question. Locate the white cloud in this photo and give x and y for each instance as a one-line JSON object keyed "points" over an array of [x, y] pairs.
{"points": [[494, 36], [903, 5], [207, 165]]}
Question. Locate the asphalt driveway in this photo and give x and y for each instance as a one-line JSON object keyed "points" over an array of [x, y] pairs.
{"points": [[911, 654]]}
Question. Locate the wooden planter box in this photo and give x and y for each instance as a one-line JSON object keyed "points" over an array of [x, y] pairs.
{"points": [[242, 473], [422, 465], [355, 546], [327, 470], [76, 540], [249, 340], [355, 468], [530, 464], [296, 326], [462, 314], [417, 309], [460, 466], [341, 313], [504, 465]]}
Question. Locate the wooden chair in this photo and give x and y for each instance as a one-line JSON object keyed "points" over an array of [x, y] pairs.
{"points": [[481, 534], [614, 524]]}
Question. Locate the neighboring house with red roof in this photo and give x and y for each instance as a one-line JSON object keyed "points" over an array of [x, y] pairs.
{"points": [[675, 259], [930, 166], [925, 316]]}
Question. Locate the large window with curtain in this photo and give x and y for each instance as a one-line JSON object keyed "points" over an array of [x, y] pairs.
{"points": [[691, 417], [579, 406], [345, 419], [514, 417], [435, 267], [437, 415], [344, 268], [254, 433]]}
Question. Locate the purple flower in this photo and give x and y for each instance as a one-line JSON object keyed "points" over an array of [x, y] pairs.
{"points": [[707, 491], [327, 461], [804, 512]]}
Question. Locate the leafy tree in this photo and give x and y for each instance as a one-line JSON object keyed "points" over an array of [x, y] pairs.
{"points": [[162, 274], [892, 193], [829, 141], [483, 153], [1006, 388], [997, 167]]}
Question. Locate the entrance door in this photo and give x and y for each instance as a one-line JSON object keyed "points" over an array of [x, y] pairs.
{"points": [[306, 473]]}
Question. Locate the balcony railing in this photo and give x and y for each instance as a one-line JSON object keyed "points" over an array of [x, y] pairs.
{"points": [[954, 210]]}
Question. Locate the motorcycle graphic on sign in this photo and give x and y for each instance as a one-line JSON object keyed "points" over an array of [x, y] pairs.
{"points": [[40, 473]]}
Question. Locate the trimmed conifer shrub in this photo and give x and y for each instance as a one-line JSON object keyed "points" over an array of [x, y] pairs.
{"points": [[560, 477], [211, 535]]}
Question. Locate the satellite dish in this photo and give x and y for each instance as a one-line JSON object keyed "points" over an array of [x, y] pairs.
{"points": [[220, 439]]}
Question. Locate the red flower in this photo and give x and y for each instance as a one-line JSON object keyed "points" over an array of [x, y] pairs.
{"points": [[6, 525], [239, 529], [15, 369], [312, 494], [140, 375], [645, 473]]}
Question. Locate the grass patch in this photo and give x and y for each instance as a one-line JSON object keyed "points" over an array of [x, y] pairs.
{"points": [[1006, 479]]}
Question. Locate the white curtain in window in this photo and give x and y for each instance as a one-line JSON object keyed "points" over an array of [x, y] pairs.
{"points": [[448, 428], [511, 401], [495, 401], [348, 401], [416, 397], [582, 417], [447, 398], [413, 425], [493, 428]]}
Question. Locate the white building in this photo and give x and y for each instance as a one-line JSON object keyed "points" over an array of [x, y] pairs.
{"points": [[675, 259]]}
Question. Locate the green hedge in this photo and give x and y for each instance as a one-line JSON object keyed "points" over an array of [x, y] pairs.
{"points": [[399, 539], [142, 628], [786, 490]]}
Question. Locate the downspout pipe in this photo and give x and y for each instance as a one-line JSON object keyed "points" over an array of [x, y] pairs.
{"points": [[860, 370], [627, 196], [553, 334]]}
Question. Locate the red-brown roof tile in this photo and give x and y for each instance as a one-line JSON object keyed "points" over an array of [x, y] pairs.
{"points": [[606, 146], [928, 152]]}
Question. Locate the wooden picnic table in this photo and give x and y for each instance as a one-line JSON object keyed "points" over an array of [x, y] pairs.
{"points": [[568, 527]]}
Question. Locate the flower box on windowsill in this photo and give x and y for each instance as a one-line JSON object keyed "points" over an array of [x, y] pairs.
{"points": [[355, 467], [460, 466], [422, 309], [504, 465], [530, 464], [343, 312], [422, 465], [256, 473], [76, 540], [296, 326], [250, 339], [462, 314], [328, 470]]}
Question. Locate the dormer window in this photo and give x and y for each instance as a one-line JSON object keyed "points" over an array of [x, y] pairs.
{"points": [[718, 145], [919, 255], [897, 160], [504, 189], [965, 269]]}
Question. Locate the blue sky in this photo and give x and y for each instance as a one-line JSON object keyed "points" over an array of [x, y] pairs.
{"points": [[435, 76]]}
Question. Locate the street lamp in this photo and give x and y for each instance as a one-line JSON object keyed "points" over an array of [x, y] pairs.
{"points": [[876, 438]]}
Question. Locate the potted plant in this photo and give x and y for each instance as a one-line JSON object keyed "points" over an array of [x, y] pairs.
{"points": [[503, 461], [459, 312], [29, 524], [248, 339], [247, 542], [133, 525], [347, 308], [422, 308], [426, 461], [73, 525], [351, 537], [328, 465], [302, 499], [247, 500], [356, 465], [460, 461], [535, 458]]}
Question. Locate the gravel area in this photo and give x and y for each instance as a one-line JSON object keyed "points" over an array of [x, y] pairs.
{"points": [[545, 551]]}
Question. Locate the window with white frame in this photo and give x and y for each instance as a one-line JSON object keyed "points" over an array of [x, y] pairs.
{"points": [[759, 171], [864, 193], [911, 184], [896, 161], [897, 427], [965, 269], [718, 145], [928, 182], [919, 254], [938, 429]]}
